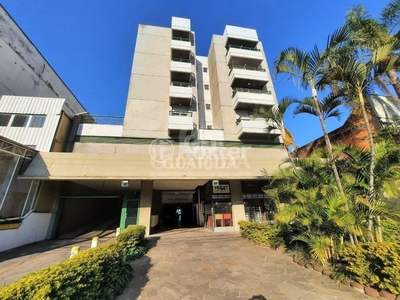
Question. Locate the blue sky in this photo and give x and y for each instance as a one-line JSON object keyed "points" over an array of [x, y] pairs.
{"points": [[90, 43]]}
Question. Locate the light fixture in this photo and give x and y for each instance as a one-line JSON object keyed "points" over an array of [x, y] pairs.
{"points": [[125, 183]]}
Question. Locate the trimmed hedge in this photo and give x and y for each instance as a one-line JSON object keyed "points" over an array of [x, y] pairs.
{"points": [[261, 234], [96, 273], [373, 264], [132, 241]]}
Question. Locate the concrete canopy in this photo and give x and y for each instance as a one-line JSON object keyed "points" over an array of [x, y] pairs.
{"points": [[106, 166]]}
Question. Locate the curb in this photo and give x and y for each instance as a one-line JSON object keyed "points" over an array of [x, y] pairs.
{"points": [[369, 291]]}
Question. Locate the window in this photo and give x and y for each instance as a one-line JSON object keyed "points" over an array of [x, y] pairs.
{"points": [[206, 87], [205, 70], [4, 119], [19, 121], [37, 121], [208, 106]]}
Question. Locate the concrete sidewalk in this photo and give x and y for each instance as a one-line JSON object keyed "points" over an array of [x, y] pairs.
{"points": [[200, 264]]}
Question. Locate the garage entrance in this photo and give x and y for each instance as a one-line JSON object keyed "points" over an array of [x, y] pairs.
{"points": [[78, 215]]}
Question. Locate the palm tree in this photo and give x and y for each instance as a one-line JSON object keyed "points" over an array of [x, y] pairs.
{"points": [[308, 68], [356, 75], [316, 211], [276, 114], [355, 168], [329, 106], [369, 34]]}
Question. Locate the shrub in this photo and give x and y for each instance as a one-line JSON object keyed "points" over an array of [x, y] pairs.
{"points": [[261, 234], [373, 264], [390, 230], [132, 241], [96, 273]]}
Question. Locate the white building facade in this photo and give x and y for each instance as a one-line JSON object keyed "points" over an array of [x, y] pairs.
{"points": [[190, 150]]}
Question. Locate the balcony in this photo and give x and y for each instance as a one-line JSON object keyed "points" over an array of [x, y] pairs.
{"points": [[242, 55], [180, 65], [97, 125], [246, 99], [180, 93], [181, 43], [248, 77], [256, 129], [180, 123]]}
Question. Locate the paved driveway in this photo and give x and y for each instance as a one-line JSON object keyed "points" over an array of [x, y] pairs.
{"points": [[200, 264]]}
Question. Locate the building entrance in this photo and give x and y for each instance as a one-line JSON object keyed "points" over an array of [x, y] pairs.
{"points": [[178, 210]]}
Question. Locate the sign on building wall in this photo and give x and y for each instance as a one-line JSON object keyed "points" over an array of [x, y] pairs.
{"points": [[221, 189]]}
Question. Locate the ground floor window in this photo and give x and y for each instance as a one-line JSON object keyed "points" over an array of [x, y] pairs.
{"points": [[257, 206]]}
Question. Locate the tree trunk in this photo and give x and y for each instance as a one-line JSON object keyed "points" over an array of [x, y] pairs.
{"points": [[371, 196], [330, 151], [394, 81], [291, 159], [328, 143]]}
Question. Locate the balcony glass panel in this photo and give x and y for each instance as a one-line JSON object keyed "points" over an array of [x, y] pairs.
{"points": [[183, 84], [180, 59], [247, 68], [243, 47], [177, 38], [254, 91], [180, 113]]}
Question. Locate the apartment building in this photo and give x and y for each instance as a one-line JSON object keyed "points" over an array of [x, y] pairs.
{"points": [[190, 150]]}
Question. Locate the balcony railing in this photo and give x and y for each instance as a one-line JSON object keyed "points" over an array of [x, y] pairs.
{"points": [[180, 113], [176, 38], [179, 83], [105, 120], [244, 48], [254, 91], [240, 119], [185, 60], [247, 68]]}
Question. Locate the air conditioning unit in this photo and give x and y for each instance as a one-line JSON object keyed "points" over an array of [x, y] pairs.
{"points": [[215, 183]]}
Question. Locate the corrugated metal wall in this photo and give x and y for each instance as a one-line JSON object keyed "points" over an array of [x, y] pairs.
{"points": [[43, 137]]}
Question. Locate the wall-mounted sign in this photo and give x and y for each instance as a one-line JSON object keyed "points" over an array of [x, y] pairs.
{"points": [[221, 189]]}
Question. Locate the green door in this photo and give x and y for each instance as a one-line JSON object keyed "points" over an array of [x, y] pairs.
{"points": [[129, 213]]}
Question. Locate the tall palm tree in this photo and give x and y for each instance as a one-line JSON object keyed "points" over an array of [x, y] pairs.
{"points": [[308, 68], [390, 18], [369, 34], [356, 74], [276, 114]]}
